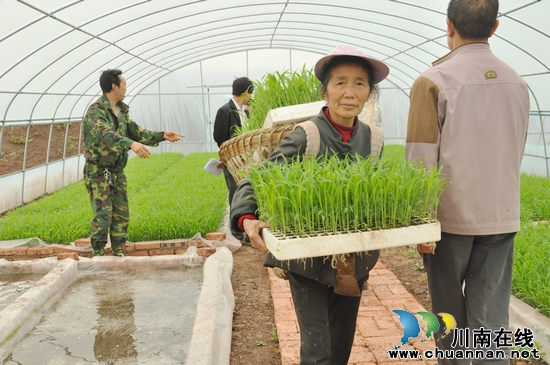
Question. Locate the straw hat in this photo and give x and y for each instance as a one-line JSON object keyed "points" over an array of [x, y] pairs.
{"points": [[380, 69]]}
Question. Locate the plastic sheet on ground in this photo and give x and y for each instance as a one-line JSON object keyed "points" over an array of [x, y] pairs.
{"points": [[211, 340]]}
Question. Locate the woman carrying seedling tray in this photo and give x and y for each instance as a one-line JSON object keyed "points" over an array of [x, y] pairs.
{"points": [[326, 296]]}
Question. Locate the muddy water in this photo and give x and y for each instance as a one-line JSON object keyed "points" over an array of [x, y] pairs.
{"points": [[117, 318], [12, 286]]}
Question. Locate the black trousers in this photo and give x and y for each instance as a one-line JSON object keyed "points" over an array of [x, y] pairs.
{"points": [[327, 321], [231, 187], [470, 277]]}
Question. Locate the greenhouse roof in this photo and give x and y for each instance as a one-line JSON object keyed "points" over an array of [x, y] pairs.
{"points": [[53, 50]]}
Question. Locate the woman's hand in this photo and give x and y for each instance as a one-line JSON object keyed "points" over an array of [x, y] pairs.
{"points": [[252, 227], [428, 248]]}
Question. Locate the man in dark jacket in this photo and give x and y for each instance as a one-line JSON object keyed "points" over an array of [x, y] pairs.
{"points": [[228, 119]]}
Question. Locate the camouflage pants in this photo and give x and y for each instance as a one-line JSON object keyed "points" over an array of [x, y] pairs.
{"points": [[109, 199]]}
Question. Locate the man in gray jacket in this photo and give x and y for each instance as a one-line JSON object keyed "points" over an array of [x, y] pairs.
{"points": [[469, 115]]}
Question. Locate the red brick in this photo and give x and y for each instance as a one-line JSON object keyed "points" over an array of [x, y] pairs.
{"points": [[206, 251], [83, 242], [40, 250], [196, 243], [146, 246], [27, 257], [216, 236], [173, 244], [284, 326], [129, 246], [287, 337], [164, 251], [21, 250], [180, 251], [384, 292], [360, 354], [67, 255], [283, 305], [383, 279], [59, 249], [138, 253]]}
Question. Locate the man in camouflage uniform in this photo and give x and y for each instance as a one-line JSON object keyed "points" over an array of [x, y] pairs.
{"points": [[108, 134]]}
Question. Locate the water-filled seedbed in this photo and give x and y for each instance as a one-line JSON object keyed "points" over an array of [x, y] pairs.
{"points": [[141, 317], [133, 310], [12, 286]]}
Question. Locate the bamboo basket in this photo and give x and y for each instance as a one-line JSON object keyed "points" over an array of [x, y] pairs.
{"points": [[252, 147]]}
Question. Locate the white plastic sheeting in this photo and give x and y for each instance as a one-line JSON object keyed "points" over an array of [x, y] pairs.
{"points": [[53, 50], [21, 316], [211, 338], [180, 57]]}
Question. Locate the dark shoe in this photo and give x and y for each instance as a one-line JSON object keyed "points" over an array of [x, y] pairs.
{"points": [[280, 273], [246, 240], [100, 252], [118, 252]]}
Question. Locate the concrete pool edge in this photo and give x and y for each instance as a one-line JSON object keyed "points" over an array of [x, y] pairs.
{"points": [[523, 316], [211, 337], [21, 316]]}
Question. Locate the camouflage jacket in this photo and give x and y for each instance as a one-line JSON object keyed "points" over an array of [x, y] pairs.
{"points": [[108, 139]]}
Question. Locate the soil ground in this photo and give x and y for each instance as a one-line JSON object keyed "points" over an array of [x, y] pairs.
{"points": [[12, 152]]}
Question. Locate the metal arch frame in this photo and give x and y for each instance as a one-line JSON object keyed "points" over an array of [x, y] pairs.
{"points": [[538, 111], [546, 157], [426, 40], [256, 6], [51, 14], [156, 72], [234, 47], [224, 19], [71, 29], [411, 46], [214, 45], [179, 18], [218, 9], [261, 14], [421, 7], [222, 28]]}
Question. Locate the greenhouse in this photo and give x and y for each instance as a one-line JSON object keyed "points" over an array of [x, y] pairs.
{"points": [[180, 59]]}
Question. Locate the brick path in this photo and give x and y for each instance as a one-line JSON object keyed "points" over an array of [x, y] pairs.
{"points": [[378, 328]]}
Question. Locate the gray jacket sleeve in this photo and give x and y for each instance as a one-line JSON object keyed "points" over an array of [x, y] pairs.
{"points": [[244, 201]]}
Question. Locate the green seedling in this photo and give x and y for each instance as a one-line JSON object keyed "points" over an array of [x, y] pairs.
{"points": [[280, 89]]}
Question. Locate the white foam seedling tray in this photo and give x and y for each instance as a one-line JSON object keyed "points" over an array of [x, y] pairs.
{"points": [[288, 248], [292, 113]]}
